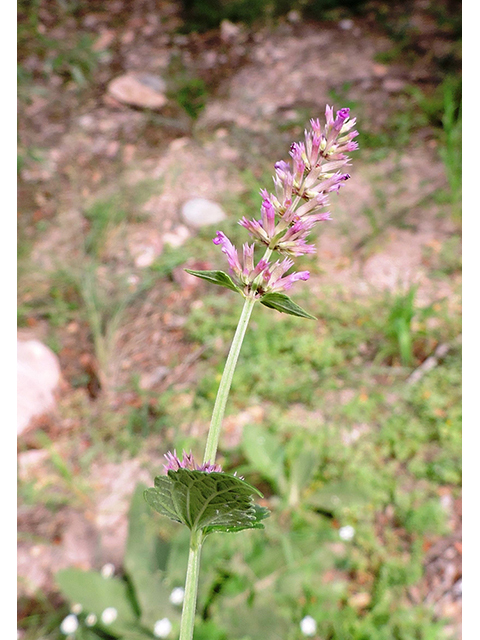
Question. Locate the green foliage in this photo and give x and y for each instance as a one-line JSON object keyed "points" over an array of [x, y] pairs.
{"points": [[202, 16], [281, 302], [96, 593], [399, 331], [216, 277], [188, 90], [451, 152], [140, 598], [191, 95], [206, 502], [106, 214]]}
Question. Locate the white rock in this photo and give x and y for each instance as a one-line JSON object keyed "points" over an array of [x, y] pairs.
{"points": [[145, 257], [199, 212], [139, 90], [346, 24], [38, 375], [229, 31], [177, 237]]}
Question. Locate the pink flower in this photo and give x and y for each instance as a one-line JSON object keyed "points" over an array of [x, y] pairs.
{"points": [[187, 462]]}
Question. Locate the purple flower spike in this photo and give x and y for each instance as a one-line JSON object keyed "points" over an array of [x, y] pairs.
{"points": [[187, 462], [299, 202]]}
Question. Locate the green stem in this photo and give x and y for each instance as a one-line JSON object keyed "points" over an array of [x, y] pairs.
{"points": [[187, 622], [226, 381]]}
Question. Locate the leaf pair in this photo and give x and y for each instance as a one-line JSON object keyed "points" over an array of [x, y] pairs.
{"points": [[206, 502], [278, 301]]}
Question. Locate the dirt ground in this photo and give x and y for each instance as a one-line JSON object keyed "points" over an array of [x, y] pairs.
{"points": [[261, 83]]}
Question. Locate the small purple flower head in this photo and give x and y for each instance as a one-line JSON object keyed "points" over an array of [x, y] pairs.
{"points": [[273, 280], [187, 462], [297, 151], [342, 115], [229, 250], [268, 216]]}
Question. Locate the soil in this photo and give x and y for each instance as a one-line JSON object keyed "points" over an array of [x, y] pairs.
{"points": [[260, 83]]}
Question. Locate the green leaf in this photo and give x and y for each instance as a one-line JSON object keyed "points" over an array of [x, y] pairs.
{"points": [[96, 593], [336, 496], [217, 277], [145, 562], [284, 304], [206, 501], [302, 470], [265, 452], [263, 618]]}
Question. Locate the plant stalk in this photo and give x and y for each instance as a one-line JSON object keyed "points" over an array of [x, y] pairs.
{"points": [[226, 381], [187, 622]]}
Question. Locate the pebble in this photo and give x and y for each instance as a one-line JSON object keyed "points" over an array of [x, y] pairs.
{"points": [[394, 85], [199, 212], [139, 90], [177, 237], [149, 380]]}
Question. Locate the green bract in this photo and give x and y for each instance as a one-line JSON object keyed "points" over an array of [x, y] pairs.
{"points": [[284, 304], [206, 501], [217, 277]]}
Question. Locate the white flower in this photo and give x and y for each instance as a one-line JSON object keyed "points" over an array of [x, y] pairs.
{"points": [[76, 608], [346, 533], [308, 626], [90, 620], [69, 624], [109, 615], [107, 570], [162, 628], [176, 597]]}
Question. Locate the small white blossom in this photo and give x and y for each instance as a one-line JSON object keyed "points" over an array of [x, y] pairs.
{"points": [[308, 626], [90, 620], [109, 615], [69, 624], [76, 608], [107, 570], [177, 595], [162, 628], [346, 533]]}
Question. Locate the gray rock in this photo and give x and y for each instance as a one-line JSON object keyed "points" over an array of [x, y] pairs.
{"points": [[139, 90], [199, 212], [38, 376]]}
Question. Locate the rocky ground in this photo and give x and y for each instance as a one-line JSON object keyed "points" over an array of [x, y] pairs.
{"points": [[122, 133]]}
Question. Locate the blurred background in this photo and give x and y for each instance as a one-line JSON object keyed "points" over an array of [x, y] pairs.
{"points": [[143, 127]]}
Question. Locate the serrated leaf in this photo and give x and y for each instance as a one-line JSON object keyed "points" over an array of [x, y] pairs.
{"points": [[216, 277], [206, 501], [284, 304]]}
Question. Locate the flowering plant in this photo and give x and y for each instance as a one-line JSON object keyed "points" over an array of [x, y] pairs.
{"points": [[200, 495]]}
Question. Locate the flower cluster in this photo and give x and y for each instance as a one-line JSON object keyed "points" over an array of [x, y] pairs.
{"points": [[301, 195], [187, 462]]}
